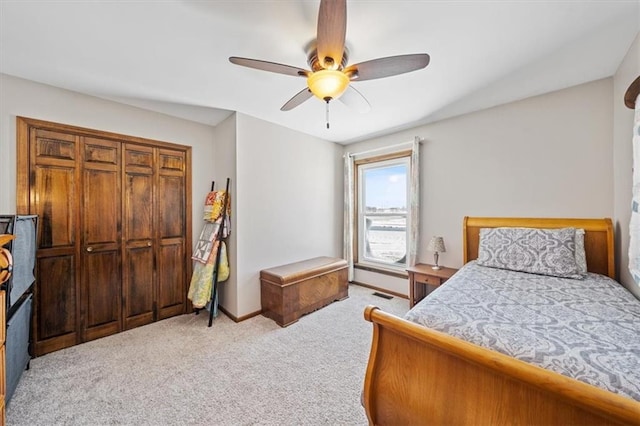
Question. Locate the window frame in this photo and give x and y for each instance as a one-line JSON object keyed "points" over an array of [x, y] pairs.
{"points": [[360, 263]]}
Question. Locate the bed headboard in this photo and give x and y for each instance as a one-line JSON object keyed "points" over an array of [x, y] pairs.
{"points": [[598, 238]]}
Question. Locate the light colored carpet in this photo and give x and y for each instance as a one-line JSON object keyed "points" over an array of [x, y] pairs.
{"points": [[178, 371]]}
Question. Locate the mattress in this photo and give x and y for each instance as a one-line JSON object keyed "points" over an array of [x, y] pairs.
{"points": [[586, 329]]}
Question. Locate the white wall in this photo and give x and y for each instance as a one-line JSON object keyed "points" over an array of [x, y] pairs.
{"points": [[628, 71], [25, 98], [546, 156], [224, 166], [289, 202]]}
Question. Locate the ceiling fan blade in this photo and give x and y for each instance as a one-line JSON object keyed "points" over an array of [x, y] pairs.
{"points": [[269, 66], [299, 98], [332, 30], [354, 99], [386, 67]]}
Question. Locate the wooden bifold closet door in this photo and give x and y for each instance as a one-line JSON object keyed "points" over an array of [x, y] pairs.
{"points": [[139, 239], [100, 220], [115, 230]]}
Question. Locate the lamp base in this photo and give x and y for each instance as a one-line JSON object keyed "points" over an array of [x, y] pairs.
{"points": [[435, 261]]}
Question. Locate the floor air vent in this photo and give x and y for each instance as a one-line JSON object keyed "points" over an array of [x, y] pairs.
{"points": [[384, 296]]}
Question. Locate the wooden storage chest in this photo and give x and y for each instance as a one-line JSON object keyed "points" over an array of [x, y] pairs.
{"points": [[290, 291]]}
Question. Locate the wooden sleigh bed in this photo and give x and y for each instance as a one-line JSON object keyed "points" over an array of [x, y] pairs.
{"points": [[416, 375]]}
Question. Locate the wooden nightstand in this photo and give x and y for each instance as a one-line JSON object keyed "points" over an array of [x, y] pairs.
{"points": [[422, 275]]}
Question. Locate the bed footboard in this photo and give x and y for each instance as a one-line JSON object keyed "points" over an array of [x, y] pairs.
{"points": [[420, 376]]}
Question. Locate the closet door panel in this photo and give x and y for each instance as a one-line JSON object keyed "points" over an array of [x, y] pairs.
{"points": [[171, 283], [139, 293], [171, 206], [101, 222], [102, 308], [55, 322], [101, 219], [171, 162], [139, 241], [139, 207], [52, 145], [57, 219]]}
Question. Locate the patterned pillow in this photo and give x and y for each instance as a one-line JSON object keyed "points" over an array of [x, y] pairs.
{"points": [[581, 257], [536, 251]]}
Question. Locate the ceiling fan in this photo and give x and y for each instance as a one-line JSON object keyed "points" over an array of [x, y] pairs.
{"points": [[330, 77]]}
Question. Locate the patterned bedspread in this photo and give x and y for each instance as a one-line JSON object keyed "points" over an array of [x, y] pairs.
{"points": [[586, 329]]}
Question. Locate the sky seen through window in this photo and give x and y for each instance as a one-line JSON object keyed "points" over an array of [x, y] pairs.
{"points": [[386, 187]]}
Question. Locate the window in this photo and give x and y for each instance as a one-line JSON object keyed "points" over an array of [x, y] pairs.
{"points": [[382, 188]]}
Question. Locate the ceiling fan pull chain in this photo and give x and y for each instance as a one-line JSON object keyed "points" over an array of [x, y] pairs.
{"points": [[327, 114]]}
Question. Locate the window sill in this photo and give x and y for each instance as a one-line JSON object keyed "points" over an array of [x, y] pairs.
{"points": [[380, 270]]}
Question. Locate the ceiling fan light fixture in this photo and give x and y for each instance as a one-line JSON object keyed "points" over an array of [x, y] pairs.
{"points": [[328, 84]]}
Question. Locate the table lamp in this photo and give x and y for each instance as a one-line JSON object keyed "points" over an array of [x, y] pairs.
{"points": [[436, 245]]}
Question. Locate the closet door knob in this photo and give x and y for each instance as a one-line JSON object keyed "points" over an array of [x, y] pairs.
{"points": [[148, 243], [89, 249]]}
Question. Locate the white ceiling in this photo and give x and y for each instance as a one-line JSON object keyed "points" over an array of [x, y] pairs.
{"points": [[172, 56]]}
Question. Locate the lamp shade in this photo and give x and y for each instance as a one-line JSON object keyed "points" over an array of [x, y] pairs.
{"points": [[437, 244], [328, 84]]}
